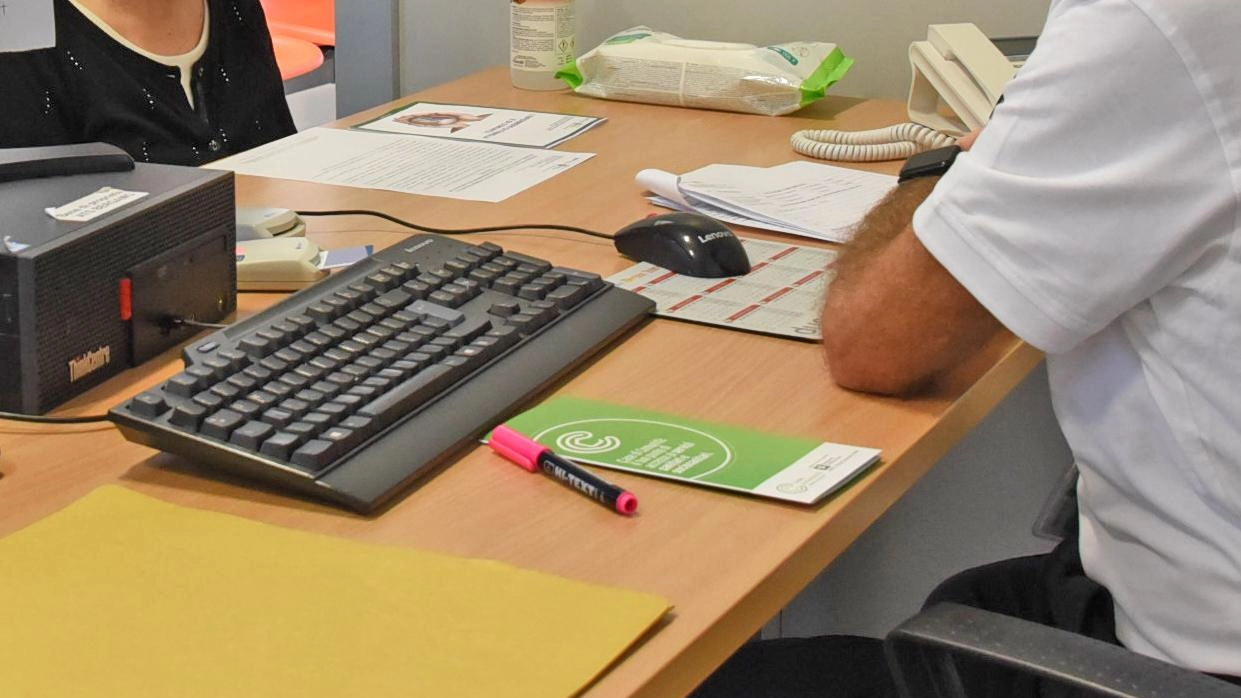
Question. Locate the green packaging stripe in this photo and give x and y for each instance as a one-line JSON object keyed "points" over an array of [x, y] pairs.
{"points": [[571, 75], [829, 72]]}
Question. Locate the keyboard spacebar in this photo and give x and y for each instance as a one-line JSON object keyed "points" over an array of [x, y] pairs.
{"points": [[396, 403]]}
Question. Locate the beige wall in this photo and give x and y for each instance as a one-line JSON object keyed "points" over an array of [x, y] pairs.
{"points": [[444, 39]]}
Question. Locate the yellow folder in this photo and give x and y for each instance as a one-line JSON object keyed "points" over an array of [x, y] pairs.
{"points": [[121, 595]]}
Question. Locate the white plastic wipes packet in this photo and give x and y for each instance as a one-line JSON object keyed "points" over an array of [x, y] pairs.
{"points": [[644, 65]]}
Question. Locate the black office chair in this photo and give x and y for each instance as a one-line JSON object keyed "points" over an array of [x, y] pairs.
{"points": [[922, 650]]}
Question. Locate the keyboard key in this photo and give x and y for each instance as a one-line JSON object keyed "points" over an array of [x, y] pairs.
{"points": [[294, 380], [394, 300], [251, 435], [567, 296], [382, 281], [400, 271], [447, 299], [183, 384], [295, 407], [219, 367], [336, 410], [278, 417], [274, 364], [280, 445], [533, 291], [314, 455], [327, 388], [255, 345], [226, 390], [304, 324], [469, 329], [202, 373], [417, 289], [364, 290], [489, 249], [534, 262], [588, 280], [509, 283], [504, 308], [287, 329], [209, 400], [332, 332], [322, 312], [236, 359], [319, 340], [524, 322], [302, 430], [343, 438], [149, 404], [319, 420], [362, 426], [263, 398], [247, 409], [188, 416], [258, 372], [221, 424], [242, 382]]}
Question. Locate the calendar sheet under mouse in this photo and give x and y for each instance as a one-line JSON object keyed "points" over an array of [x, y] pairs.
{"points": [[782, 295]]}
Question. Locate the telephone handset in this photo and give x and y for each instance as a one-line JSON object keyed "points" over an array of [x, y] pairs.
{"points": [[958, 76], [957, 68]]}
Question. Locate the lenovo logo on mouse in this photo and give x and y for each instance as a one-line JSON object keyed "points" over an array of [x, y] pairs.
{"points": [[713, 236], [86, 364]]}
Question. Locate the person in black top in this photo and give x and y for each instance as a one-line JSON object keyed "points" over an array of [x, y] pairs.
{"points": [[114, 77]]}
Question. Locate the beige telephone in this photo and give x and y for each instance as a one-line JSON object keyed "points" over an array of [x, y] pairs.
{"points": [[958, 76], [957, 70]]}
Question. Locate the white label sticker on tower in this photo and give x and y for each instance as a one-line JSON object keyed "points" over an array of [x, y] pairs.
{"points": [[92, 206]]}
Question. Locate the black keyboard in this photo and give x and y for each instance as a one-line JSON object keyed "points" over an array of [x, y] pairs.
{"points": [[350, 389]]}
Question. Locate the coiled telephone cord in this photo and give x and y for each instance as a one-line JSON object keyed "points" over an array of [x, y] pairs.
{"points": [[889, 143]]}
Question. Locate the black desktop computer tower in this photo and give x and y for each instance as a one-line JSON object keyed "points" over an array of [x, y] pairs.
{"points": [[82, 301]]}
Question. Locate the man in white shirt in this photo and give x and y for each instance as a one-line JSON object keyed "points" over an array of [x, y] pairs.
{"points": [[1097, 217]]}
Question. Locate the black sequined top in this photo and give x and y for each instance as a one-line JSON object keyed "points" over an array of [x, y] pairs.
{"points": [[91, 88]]}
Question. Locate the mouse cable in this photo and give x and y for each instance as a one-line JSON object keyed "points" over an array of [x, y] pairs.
{"points": [[168, 322], [39, 419], [455, 231]]}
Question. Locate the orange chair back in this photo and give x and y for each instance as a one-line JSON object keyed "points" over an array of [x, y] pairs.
{"points": [[295, 56], [310, 20]]}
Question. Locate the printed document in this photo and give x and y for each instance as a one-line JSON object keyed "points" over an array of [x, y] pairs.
{"points": [[471, 123], [811, 199], [408, 164]]}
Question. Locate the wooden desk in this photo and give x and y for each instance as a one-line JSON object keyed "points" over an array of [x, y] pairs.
{"points": [[727, 562]]}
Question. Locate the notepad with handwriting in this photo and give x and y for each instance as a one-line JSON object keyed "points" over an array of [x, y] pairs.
{"points": [[120, 594]]}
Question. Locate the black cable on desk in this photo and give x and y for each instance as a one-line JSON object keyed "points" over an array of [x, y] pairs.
{"points": [[456, 231], [39, 419]]}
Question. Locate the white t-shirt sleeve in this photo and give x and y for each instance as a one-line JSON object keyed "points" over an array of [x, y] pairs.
{"points": [[1086, 192]]}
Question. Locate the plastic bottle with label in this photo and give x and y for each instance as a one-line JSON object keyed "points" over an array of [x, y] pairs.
{"points": [[542, 40]]}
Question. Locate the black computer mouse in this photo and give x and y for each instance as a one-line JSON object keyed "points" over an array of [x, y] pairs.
{"points": [[693, 244]]}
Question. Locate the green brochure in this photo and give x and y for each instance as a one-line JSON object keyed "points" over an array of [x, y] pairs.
{"points": [[700, 453]]}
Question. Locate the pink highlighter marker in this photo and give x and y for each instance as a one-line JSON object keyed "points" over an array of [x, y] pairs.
{"points": [[534, 456]]}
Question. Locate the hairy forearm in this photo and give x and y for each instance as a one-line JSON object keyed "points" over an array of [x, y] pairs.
{"points": [[881, 224], [876, 334], [894, 318]]}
